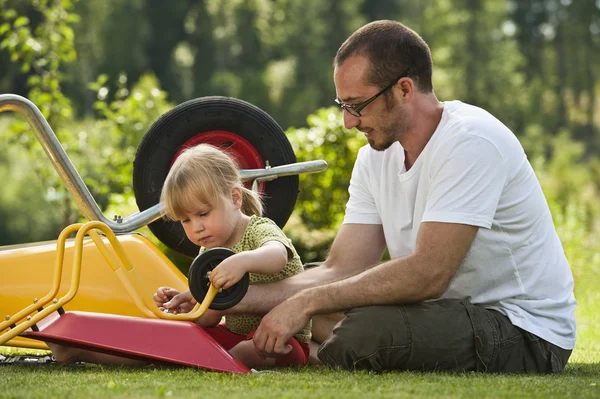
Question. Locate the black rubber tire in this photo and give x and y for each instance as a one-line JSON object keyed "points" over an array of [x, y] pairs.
{"points": [[198, 280], [164, 138]]}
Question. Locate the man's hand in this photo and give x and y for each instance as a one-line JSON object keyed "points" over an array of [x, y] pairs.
{"points": [[170, 299], [278, 326], [228, 272]]}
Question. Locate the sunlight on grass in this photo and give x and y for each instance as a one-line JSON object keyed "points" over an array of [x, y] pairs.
{"points": [[98, 382], [11, 351]]}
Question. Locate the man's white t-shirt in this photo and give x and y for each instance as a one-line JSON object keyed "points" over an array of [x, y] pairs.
{"points": [[474, 171]]}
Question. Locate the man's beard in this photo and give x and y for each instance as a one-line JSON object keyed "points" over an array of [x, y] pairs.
{"points": [[393, 127]]}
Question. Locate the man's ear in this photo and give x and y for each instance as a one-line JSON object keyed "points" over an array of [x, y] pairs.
{"points": [[407, 86], [236, 196]]}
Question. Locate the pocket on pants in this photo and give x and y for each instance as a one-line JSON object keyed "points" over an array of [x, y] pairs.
{"points": [[372, 337], [485, 337]]}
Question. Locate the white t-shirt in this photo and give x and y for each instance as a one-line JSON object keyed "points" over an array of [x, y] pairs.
{"points": [[474, 171]]}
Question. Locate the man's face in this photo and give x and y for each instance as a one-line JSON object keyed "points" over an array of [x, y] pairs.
{"points": [[384, 120]]}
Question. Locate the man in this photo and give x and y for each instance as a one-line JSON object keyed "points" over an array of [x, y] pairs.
{"points": [[477, 280]]}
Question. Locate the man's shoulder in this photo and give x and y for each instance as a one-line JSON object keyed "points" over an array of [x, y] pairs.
{"points": [[465, 123], [463, 118]]}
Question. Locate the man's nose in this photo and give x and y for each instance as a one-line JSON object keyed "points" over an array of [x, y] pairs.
{"points": [[350, 120]]}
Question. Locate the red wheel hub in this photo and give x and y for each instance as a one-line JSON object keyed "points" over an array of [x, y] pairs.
{"points": [[242, 152]]}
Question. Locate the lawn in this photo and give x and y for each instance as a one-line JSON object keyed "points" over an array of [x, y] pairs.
{"points": [[580, 380]]}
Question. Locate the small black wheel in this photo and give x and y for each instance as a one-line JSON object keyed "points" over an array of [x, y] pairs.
{"points": [[198, 279], [248, 134]]}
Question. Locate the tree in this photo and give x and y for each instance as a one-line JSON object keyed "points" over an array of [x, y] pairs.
{"points": [[102, 150]]}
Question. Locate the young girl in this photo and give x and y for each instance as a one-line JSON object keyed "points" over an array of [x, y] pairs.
{"points": [[204, 192]]}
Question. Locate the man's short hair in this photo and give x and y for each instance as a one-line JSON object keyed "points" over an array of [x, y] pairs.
{"points": [[392, 49]]}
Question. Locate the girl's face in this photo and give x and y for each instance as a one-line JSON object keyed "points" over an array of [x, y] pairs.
{"points": [[215, 225]]}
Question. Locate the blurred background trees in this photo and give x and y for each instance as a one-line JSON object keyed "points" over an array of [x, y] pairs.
{"points": [[103, 71]]}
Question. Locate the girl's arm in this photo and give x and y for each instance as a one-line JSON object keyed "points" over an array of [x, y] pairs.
{"points": [[209, 319], [270, 258]]}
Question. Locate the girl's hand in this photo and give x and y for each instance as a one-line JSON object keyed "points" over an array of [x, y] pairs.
{"points": [[164, 294], [229, 272], [170, 299]]}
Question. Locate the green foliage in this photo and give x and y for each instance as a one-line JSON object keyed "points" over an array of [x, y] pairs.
{"points": [[322, 200], [476, 57], [44, 49], [323, 196], [117, 134], [531, 61], [29, 211], [564, 173], [571, 188], [41, 49], [312, 245], [102, 150]]}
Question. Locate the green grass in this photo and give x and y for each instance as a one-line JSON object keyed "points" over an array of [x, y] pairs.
{"points": [[580, 380]]}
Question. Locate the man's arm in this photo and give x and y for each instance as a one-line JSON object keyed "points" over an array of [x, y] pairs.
{"points": [[425, 274], [355, 248]]}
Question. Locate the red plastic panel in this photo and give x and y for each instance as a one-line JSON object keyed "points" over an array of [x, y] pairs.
{"points": [[179, 342]]}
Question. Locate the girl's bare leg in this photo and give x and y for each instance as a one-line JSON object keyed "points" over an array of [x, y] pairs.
{"points": [[322, 325], [312, 357], [245, 353], [67, 354]]}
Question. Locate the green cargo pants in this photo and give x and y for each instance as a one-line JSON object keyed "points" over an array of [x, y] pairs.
{"points": [[444, 335]]}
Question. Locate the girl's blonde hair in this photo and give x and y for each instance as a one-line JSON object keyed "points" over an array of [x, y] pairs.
{"points": [[206, 174]]}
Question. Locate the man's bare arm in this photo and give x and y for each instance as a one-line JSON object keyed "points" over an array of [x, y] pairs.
{"points": [[355, 248], [425, 274], [440, 249]]}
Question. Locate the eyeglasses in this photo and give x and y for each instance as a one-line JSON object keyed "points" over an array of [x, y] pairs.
{"points": [[354, 109]]}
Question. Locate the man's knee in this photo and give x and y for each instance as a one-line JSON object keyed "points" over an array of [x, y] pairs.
{"points": [[422, 336], [374, 337]]}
